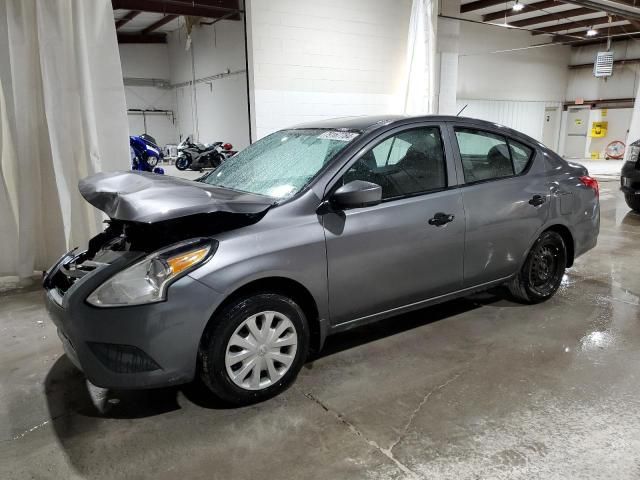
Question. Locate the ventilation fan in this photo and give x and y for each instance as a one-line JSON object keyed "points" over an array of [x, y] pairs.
{"points": [[604, 64]]}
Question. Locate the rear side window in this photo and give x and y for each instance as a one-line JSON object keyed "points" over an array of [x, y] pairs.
{"points": [[485, 155], [520, 154]]}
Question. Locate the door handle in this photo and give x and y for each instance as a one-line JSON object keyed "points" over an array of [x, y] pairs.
{"points": [[537, 200], [440, 219]]}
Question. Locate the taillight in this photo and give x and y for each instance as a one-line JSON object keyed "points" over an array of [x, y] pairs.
{"points": [[227, 146], [591, 182]]}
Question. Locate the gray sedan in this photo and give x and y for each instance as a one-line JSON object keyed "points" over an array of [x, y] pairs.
{"points": [[311, 231]]}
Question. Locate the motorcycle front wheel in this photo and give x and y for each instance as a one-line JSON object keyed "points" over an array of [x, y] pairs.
{"points": [[183, 162]]}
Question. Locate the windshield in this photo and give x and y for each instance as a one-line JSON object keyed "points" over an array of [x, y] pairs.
{"points": [[281, 164]]}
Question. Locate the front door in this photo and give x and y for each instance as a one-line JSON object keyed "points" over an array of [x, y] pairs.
{"points": [[390, 255]]}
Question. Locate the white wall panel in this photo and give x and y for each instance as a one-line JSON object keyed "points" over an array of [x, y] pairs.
{"points": [[496, 63], [623, 82], [526, 117], [149, 61], [326, 59], [221, 104]]}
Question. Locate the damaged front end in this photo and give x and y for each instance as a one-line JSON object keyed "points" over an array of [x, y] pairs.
{"points": [[154, 221]]}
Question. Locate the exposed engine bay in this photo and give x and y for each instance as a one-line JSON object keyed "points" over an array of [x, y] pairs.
{"points": [[147, 237]]}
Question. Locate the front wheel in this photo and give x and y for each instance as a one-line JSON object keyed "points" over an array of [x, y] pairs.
{"points": [[542, 272], [633, 201], [254, 348], [183, 162]]}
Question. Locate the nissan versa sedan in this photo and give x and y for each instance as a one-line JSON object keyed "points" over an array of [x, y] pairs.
{"points": [[311, 231]]}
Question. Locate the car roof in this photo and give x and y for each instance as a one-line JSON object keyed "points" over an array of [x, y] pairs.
{"points": [[372, 122]]}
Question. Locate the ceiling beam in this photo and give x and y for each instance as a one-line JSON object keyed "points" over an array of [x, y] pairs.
{"points": [[195, 8], [627, 8], [603, 33], [528, 8], [560, 27], [478, 4], [127, 18], [567, 14], [137, 38], [154, 26], [603, 40]]}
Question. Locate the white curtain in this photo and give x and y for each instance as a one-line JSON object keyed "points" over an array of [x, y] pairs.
{"points": [[62, 117], [418, 85]]}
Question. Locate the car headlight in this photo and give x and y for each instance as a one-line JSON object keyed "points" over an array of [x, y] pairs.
{"points": [[147, 280]]}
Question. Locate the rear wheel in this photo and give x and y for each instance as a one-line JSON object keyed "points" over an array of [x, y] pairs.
{"points": [[254, 348], [542, 272], [633, 201]]}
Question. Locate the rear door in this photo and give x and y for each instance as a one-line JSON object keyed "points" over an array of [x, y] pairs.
{"points": [[506, 200], [390, 255]]}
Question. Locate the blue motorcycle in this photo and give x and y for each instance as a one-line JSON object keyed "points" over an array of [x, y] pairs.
{"points": [[145, 154]]}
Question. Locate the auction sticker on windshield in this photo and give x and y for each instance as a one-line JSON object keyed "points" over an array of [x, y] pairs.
{"points": [[341, 136]]}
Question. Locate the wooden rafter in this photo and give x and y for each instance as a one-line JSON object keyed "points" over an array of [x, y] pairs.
{"points": [[195, 8], [560, 27], [127, 18], [528, 8], [478, 4], [551, 17], [603, 33], [137, 38]]}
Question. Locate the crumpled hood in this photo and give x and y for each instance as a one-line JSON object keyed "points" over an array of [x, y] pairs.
{"points": [[148, 197]]}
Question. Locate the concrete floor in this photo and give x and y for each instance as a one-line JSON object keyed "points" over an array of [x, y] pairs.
{"points": [[475, 388]]}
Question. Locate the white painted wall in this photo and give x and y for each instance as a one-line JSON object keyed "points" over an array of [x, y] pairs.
{"points": [[149, 61], [509, 87], [622, 84], [320, 59], [221, 104], [536, 74], [618, 119]]}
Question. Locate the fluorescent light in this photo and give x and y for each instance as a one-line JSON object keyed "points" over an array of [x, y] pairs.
{"points": [[591, 32], [517, 6]]}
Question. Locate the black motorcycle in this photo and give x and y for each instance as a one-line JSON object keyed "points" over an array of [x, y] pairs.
{"points": [[196, 156]]}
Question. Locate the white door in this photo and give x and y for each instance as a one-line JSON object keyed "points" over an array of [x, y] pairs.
{"points": [[551, 128], [577, 127]]}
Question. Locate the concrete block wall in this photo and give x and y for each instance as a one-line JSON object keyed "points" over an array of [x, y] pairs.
{"points": [[149, 61], [315, 59]]}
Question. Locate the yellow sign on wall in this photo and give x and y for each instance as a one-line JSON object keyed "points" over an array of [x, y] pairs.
{"points": [[599, 129]]}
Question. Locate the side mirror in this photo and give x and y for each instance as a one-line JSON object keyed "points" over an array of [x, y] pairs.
{"points": [[357, 193]]}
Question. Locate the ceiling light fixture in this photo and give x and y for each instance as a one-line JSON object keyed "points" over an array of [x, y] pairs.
{"points": [[591, 32], [517, 6]]}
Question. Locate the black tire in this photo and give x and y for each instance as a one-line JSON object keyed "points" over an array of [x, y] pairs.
{"points": [[542, 272], [214, 344], [215, 160], [183, 162], [633, 201]]}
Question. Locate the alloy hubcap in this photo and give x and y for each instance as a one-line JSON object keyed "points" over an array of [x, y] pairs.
{"points": [[261, 350]]}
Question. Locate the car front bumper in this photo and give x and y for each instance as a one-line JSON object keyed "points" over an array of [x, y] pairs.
{"points": [[132, 347]]}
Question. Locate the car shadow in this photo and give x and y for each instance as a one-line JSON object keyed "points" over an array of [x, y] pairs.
{"points": [[78, 410], [631, 218], [69, 393]]}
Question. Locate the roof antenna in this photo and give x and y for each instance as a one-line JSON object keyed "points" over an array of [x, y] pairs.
{"points": [[462, 110]]}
